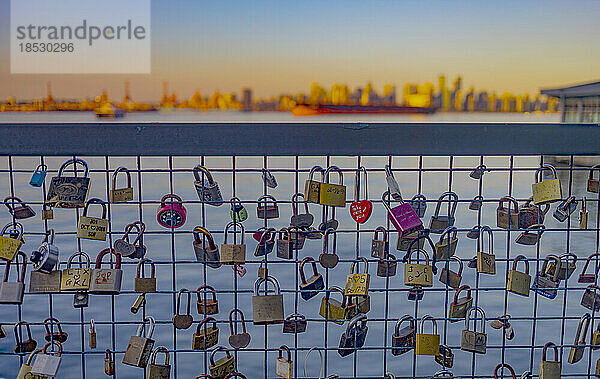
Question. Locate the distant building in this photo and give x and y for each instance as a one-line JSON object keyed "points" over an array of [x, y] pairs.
{"points": [[579, 103], [247, 100]]}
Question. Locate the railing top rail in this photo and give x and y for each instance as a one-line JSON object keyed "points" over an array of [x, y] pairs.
{"points": [[193, 139]]}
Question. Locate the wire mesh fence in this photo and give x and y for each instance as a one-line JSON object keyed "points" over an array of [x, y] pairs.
{"points": [[534, 319]]}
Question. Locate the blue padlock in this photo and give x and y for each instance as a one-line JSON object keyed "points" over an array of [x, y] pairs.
{"points": [[39, 176]]}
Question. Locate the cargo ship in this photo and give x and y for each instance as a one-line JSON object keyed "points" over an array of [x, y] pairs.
{"points": [[313, 110]]}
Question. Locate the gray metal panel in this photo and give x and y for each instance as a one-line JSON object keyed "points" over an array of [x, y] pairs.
{"points": [[580, 90], [298, 139]]}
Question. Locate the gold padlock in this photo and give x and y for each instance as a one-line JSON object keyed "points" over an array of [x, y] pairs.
{"points": [[486, 262], [596, 338], [76, 279], [312, 188], [418, 274], [9, 246], [576, 352], [25, 370], [334, 310], [223, 366], [550, 369], [233, 254], [446, 246], [93, 228], [205, 337], [427, 344], [285, 366], [519, 282], [333, 194], [156, 370], [358, 283], [546, 191], [121, 195]]}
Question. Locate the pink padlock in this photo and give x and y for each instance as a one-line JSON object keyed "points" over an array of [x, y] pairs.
{"points": [[403, 217], [171, 214]]}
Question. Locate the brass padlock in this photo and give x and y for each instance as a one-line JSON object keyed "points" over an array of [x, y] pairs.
{"points": [[403, 340], [25, 370], [473, 341], [69, 191], [21, 346], [427, 344], [387, 265], [333, 194], [208, 190], [519, 282], [584, 277], [546, 191], [183, 321], [12, 292], [312, 188], [205, 305], [121, 195], [106, 281], [92, 335], [298, 237], [47, 212], [267, 309], [418, 274], [568, 264], [294, 323], [593, 184], [576, 352], [327, 259], [379, 246], [19, 212], [140, 348], [486, 262], [156, 370], [508, 367], [446, 246], [267, 207], [9, 246], [284, 367], [357, 283], [141, 283], [234, 253], [311, 287], [301, 220], [405, 240], [449, 277], [76, 279], [459, 307], [284, 244], [596, 338], [238, 340], [439, 223], [263, 272], [550, 369], [532, 235], [583, 214], [205, 337], [334, 310], [445, 357], [507, 218], [222, 367]]}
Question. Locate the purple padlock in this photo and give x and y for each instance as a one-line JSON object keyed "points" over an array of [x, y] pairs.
{"points": [[403, 217]]}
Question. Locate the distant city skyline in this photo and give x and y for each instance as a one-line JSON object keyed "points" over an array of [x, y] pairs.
{"points": [[278, 47]]}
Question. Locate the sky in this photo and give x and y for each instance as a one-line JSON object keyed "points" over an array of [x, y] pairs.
{"points": [[275, 47]]}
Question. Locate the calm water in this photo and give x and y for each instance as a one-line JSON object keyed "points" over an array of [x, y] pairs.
{"points": [[162, 247]]}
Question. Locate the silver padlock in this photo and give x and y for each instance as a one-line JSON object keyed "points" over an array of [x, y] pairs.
{"points": [[139, 348], [46, 364], [45, 258], [208, 192], [206, 250], [158, 371], [12, 292], [106, 281]]}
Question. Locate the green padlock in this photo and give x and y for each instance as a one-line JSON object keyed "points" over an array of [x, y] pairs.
{"points": [[238, 212]]}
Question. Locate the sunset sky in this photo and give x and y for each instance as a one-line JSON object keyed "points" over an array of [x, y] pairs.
{"points": [[276, 46]]}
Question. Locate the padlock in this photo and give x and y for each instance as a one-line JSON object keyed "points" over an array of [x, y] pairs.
{"points": [[45, 258], [12, 292], [223, 366], [444, 357], [544, 284], [333, 194], [519, 282], [334, 310], [404, 241], [379, 246], [109, 363], [360, 210], [403, 340], [310, 288], [19, 212], [460, 306], [593, 184], [478, 171], [139, 302], [531, 236], [354, 336], [531, 214], [419, 274], [205, 337], [565, 209], [205, 305], [205, 248], [301, 220], [238, 340], [25, 370], [312, 188], [140, 348], [439, 223], [267, 208], [576, 352], [419, 204], [9, 246], [268, 178], [140, 248], [327, 259], [39, 176], [92, 335], [550, 369], [486, 262], [590, 300], [502, 323], [403, 217], [106, 281], [357, 283], [446, 246], [143, 284], [92, 228], [393, 186], [596, 338], [427, 344], [208, 190], [183, 321], [474, 232], [473, 341], [29, 344], [284, 244], [46, 364], [449, 277], [123, 246], [313, 233], [508, 367], [568, 264], [76, 279], [263, 271], [387, 266], [294, 323], [234, 253], [156, 370], [121, 195], [476, 203], [583, 214], [546, 191], [47, 212], [59, 335], [69, 191], [363, 303], [267, 309], [507, 218], [584, 277], [298, 237], [266, 242], [238, 213], [284, 367], [171, 214]]}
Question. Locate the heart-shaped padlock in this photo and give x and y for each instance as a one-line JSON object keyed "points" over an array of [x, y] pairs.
{"points": [[123, 247], [360, 210]]}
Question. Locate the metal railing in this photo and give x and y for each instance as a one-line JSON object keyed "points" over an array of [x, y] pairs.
{"points": [[427, 159]]}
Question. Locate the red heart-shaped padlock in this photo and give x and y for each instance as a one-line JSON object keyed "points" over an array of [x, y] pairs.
{"points": [[361, 210]]}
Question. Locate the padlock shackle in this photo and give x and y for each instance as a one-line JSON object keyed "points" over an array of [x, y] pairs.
{"points": [[443, 374], [301, 268], [150, 330], [524, 259], [409, 318], [74, 162], [511, 201], [543, 167], [361, 317], [16, 226], [31, 355], [357, 184], [215, 350], [326, 241], [48, 237], [199, 229], [283, 233], [196, 170], [21, 278], [92, 325], [189, 296], [383, 231], [234, 224], [587, 263], [267, 233], [546, 346], [566, 256], [320, 356], [539, 208], [48, 323], [79, 254], [141, 228], [239, 311], [114, 177], [552, 257], [204, 322], [141, 263], [270, 279], [460, 264], [296, 316], [295, 203], [510, 369], [41, 167], [584, 322], [566, 203], [287, 349], [464, 287], [108, 251], [595, 167], [95, 200], [163, 200], [265, 200], [336, 289], [468, 317], [17, 329], [452, 203], [206, 288], [159, 350], [334, 168], [428, 318], [540, 228], [483, 229], [406, 258], [315, 169], [450, 233], [54, 342], [392, 183], [362, 259], [11, 206]]}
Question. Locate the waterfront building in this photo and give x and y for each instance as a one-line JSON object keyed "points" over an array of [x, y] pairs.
{"points": [[579, 103]]}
